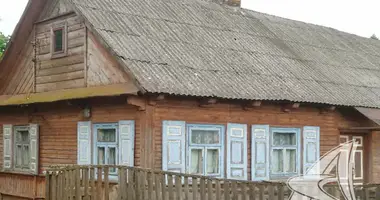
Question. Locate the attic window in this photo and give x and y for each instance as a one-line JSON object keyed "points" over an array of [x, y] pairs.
{"points": [[58, 40]]}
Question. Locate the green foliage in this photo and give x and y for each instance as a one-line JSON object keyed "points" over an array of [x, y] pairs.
{"points": [[374, 37], [3, 43]]}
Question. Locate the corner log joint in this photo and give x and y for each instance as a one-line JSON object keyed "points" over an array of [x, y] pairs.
{"points": [[137, 101], [290, 106]]}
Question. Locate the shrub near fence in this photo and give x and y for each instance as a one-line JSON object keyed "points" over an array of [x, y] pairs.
{"points": [[83, 182]]}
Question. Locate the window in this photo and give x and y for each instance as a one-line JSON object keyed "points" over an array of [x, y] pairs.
{"points": [[205, 148], [20, 148], [284, 152], [106, 145], [59, 40]]}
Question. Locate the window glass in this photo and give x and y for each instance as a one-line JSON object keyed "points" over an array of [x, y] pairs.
{"points": [[101, 155], [290, 161], [107, 135], [112, 158], [205, 136], [196, 161], [280, 139], [284, 152], [18, 155], [21, 148], [277, 161], [58, 40], [212, 161]]}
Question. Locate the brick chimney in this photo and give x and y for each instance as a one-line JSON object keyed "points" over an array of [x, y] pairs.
{"points": [[234, 3]]}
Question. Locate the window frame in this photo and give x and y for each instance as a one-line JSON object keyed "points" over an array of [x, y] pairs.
{"points": [[272, 147], [204, 147], [14, 145], [58, 26], [106, 145]]}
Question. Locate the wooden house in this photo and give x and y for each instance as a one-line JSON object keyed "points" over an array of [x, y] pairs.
{"points": [[193, 86]]}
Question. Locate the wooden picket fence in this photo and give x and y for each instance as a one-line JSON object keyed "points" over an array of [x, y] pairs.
{"points": [[128, 183]]}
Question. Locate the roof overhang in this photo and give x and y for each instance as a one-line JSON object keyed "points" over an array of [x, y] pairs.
{"points": [[371, 113], [78, 93]]}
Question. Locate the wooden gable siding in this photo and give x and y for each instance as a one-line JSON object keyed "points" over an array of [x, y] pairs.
{"points": [[64, 72], [54, 8], [22, 78], [102, 68]]}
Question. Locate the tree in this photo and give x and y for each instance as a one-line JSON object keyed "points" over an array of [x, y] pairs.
{"points": [[374, 37], [3, 43]]}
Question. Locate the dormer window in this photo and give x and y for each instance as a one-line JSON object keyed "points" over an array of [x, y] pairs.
{"points": [[58, 41]]}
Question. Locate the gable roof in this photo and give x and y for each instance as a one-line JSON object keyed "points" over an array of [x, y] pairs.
{"points": [[200, 48]]}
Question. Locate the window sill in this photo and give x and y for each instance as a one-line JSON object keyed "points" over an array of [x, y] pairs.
{"points": [[58, 55], [15, 172]]}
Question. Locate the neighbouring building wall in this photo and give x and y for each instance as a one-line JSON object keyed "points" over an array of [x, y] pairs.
{"points": [[374, 156]]}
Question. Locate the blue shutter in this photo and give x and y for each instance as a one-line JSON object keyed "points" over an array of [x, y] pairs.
{"points": [[260, 152], [173, 146], [7, 143], [34, 147], [311, 147], [84, 143], [126, 143], [237, 151]]}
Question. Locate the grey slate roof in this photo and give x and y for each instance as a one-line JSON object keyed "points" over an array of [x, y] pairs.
{"points": [[200, 48]]}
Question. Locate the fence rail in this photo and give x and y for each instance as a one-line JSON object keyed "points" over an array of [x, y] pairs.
{"points": [[127, 183]]}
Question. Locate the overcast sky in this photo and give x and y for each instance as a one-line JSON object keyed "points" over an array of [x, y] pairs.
{"points": [[353, 16]]}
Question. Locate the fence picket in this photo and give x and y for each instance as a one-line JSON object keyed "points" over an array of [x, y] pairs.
{"points": [[77, 184], [226, 190], [163, 186], [186, 187], [194, 185], [54, 186], [202, 188], [158, 186], [234, 190], [218, 195], [150, 185], [178, 186], [85, 183], [252, 189], [47, 186], [243, 188], [92, 182], [280, 192], [261, 191], [210, 192], [130, 176], [271, 191], [170, 187]]}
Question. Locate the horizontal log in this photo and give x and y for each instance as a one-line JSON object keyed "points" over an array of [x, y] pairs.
{"points": [[65, 61], [60, 77], [60, 70], [60, 85]]}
